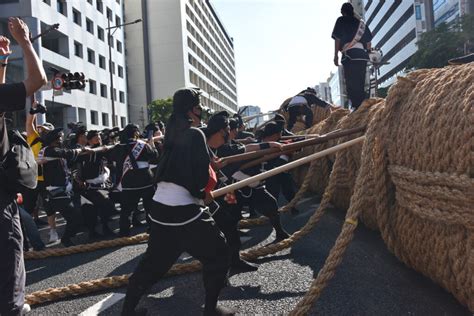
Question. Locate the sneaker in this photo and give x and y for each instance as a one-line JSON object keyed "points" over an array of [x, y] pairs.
{"points": [[26, 309], [53, 236]]}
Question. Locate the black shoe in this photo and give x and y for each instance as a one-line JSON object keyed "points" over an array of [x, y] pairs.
{"points": [[137, 223], [220, 311], [67, 242], [94, 236], [108, 232], [40, 222], [244, 266]]}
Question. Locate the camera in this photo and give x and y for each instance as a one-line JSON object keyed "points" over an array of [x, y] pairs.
{"points": [[40, 108]]}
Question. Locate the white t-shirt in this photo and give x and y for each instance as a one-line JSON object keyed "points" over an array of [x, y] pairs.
{"points": [[298, 100]]}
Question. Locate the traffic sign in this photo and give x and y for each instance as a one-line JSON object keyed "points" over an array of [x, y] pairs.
{"points": [[57, 83]]}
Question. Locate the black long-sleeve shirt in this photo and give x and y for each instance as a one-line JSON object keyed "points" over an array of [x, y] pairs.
{"points": [[12, 97], [56, 171], [186, 163]]}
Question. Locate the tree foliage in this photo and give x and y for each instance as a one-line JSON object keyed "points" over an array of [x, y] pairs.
{"points": [[446, 41], [160, 110]]}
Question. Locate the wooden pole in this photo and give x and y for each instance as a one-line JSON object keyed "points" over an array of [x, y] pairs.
{"points": [[251, 117], [296, 145], [284, 168]]}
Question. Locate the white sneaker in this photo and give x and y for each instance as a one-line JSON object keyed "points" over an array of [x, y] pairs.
{"points": [[26, 309], [53, 236]]}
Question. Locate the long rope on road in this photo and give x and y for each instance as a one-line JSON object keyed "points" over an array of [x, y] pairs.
{"points": [[113, 282]]}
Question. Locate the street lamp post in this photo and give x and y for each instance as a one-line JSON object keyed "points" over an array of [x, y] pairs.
{"points": [[109, 39]]}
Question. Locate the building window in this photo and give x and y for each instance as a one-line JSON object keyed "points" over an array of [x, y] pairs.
{"points": [[123, 121], [115, 94], [100, 33], [90, 1], [118, 1], [119, 46], [89, 26], [92, 86], [120, 71], [118, 21], [77, 49], [48, 2], [103, 90], [122, 96], [109, 14], [101, 61], [61, 7], [100, 6], [76, 17], [90, 56], [105, 119], [94, 117], [113, 68], [111, 41]]}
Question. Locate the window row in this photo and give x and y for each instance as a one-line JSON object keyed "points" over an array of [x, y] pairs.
{"points": [[103, 91], [61, 7], [78, 51], [202, 84], [209, 39], [206, 47], [210, 64], [105, 119]]}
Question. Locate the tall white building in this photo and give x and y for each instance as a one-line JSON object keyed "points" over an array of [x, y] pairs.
{"points": [[249, 110], [449, 10], [323, 91], [181, 43], [337, 87], [396, 26], [79, 45]]}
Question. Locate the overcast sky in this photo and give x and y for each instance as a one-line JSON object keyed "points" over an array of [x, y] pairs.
{"points": [[281, 46]]}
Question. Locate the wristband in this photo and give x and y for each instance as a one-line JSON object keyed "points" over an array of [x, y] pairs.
{"points": [[264, 145], [4, 57]]}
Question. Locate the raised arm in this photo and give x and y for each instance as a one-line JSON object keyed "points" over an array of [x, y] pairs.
{"points": [[4, 53], [36, 75]]}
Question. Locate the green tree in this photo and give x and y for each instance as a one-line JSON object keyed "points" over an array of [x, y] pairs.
{"points": [[160, 110], [444, 42]]}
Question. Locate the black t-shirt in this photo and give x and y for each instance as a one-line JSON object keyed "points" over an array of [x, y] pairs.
{"points": [[345, 29], [12, 97]]}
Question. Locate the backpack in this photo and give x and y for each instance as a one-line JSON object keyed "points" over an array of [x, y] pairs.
{"points": [[17, 163]]}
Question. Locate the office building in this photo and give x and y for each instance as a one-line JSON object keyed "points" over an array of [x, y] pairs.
{"points": [[450, 10], [396, 26], [323, 91], [78, 45], [337, 87], [180, 43], [249, 110]]}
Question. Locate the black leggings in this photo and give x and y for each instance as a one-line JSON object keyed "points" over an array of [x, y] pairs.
{"points": [[201, 238], [300, 109], [71, 214], [354, 74], [129, 202]]}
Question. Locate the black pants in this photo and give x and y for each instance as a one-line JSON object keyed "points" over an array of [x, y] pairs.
{"points": [[300, 109], [102, 203], [201, 238], [12, 268], [227, 218], [264, 203], [129, 202], [354, 74], [71, 214], [283, 183], [30, 198]]}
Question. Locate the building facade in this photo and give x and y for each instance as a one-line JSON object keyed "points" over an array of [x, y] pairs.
{"points": [[337, 87], [181, 43], [323, 90], [78, 45], [396, 26], [249, 110], [450, 10]]}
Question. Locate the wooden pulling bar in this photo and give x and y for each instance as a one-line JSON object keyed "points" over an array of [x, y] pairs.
{"points": [[284, 168], [297, 145]]}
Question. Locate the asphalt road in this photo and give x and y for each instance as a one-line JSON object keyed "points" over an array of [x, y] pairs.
{"points": [[370, 280]]}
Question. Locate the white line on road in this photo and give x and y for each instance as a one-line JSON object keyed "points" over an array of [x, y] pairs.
{"points": [[103, 304]]}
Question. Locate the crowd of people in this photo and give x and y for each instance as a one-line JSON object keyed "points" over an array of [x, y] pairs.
{"points": [[89, 175]]}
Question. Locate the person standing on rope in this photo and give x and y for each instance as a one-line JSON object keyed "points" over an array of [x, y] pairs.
{"points": [[179, 213], [352, 38]]}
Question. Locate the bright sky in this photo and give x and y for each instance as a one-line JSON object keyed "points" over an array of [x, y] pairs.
{"points": [[281, 46]]}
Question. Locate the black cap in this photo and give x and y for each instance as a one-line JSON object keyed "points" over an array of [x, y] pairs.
{"points": [[91, 134], [233, 123], [348, 9], [217, 122], [185, 99], [129, 132], [271, 129], [53, 136]]}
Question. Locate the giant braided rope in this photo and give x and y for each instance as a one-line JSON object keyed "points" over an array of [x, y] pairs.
{"points": [[412, 181]]}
